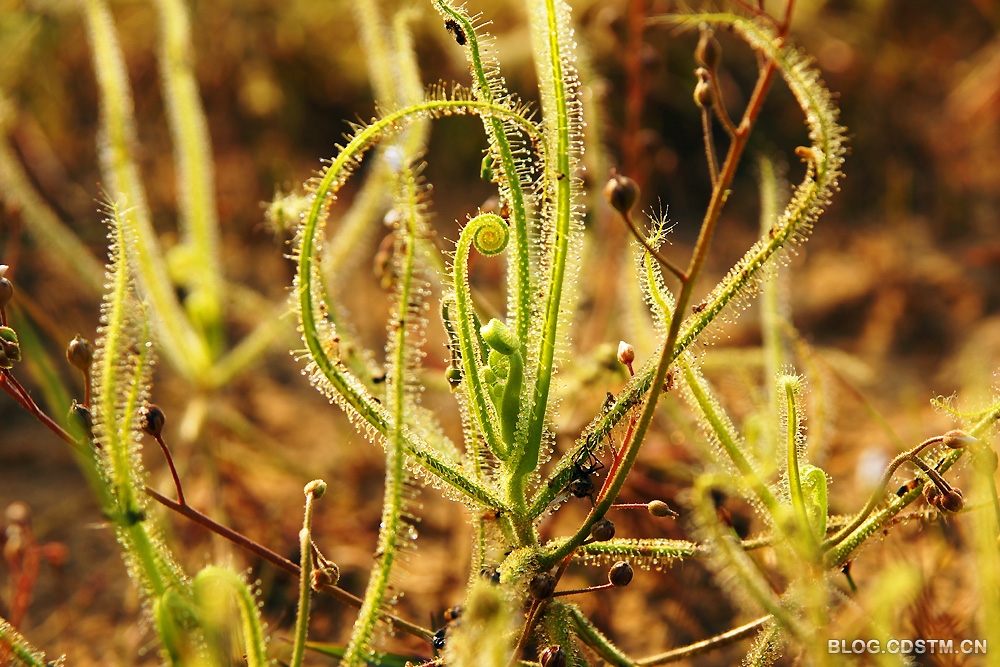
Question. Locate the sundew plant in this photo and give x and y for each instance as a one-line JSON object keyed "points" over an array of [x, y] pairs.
{"points": [[503, 370]]}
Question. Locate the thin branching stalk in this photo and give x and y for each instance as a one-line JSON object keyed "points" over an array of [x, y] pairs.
{"points": [[706, 645], [313, 491]]}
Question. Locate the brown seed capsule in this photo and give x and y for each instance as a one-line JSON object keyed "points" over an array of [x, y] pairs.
{"points": [[603, 530], [621, 192], [660, 508], [151, 419], [80, 353], [951, 501], [542, 586], [620, 574], [553, 656], [957, 439]]}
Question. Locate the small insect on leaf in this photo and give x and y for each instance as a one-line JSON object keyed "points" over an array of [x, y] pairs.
{"points": [[456, 30]]}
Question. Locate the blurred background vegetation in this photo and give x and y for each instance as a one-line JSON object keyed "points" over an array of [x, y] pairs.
{"points": [[898, 291]]}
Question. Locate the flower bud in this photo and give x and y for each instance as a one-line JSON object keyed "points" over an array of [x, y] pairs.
{"points": [[603, 530], [10, 350], [553, 656], [151, 419], [621, 193], [316, 488], [542, 586], [80, 353], [454, 377], [620, 574], [18, 513], [626, 353], [660, 508], [957, 439]]}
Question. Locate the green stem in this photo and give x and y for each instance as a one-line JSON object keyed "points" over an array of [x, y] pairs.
{"points": [[556, 100], [668, 352], [392, 525], [511, 186], [195, 174], [792, 447], [878, 493], [187, 350], [333, 378], [845, 546], [706, 645], [313, 490], [596, 640], [482, 406]]}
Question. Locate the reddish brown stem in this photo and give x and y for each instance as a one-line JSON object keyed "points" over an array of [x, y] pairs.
{"points": [[173, 470], [590, 589], [21, 395], [275, 559]]}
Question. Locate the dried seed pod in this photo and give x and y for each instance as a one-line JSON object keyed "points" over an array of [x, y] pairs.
{"points": [[542, 586], [931, 493], [603, 530], [660, 508], [951, 501], [626, 353], [620, 574], [151, 419], [328, 575], [621, 193], [957, 439], [553, 656], [80, 353]]}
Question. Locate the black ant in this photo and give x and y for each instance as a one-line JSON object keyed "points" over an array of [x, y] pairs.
{"points": [[581, 486], [451, 616], [452, 26]]}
